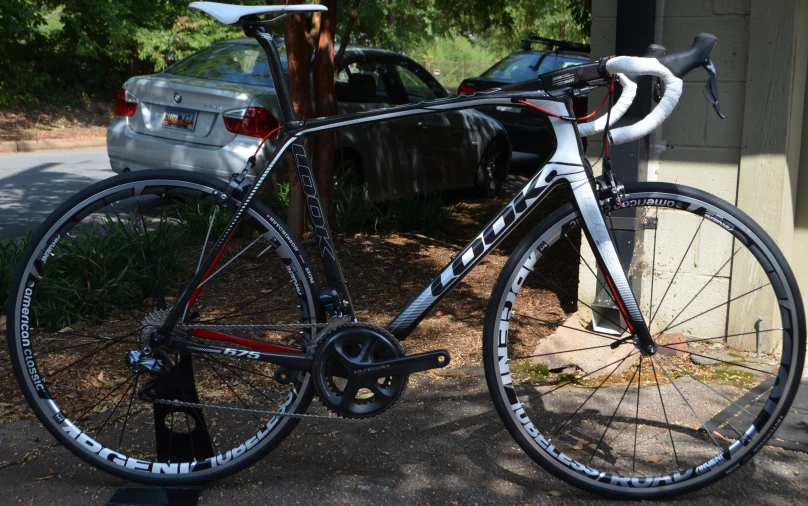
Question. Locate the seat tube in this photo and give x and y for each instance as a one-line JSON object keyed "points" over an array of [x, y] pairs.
{"points": [[275, 69]]}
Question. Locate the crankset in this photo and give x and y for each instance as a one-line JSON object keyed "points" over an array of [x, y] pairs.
{"points": [[360, 370]]}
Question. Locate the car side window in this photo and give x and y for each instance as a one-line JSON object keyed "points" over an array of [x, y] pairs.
{"points": [[364, 82], [417, 90], [548, 64], [564, 62]]}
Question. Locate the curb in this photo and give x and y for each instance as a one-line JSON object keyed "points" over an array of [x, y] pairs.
{"points": [[51, 144]]}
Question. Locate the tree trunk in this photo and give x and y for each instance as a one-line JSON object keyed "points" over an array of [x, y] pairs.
{"points": [[298, 55], [346, 36], [325, 104]]}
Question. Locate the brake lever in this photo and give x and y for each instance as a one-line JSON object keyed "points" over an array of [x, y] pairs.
{"points": [[711, 88]]}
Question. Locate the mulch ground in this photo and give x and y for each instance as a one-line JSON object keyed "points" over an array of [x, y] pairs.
{"points": [[82, 121], [386, 272]]}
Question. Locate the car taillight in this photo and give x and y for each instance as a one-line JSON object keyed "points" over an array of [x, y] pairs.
{"points": [[254, 122], [125, 104], [465, 89]]}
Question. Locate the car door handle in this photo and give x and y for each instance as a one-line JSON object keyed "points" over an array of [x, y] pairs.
{"points": [[423, 124]]}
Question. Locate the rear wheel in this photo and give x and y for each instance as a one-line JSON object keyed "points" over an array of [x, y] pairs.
{"points": [[102, 271], [579, 398]]}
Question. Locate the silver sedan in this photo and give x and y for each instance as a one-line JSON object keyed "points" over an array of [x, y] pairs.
{"points": [[208, 112]]}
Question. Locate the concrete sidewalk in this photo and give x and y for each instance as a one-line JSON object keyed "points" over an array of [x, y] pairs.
{"points": [[443, 444]]}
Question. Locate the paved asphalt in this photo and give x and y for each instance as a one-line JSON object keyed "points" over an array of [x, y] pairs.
{"points": [[32, 185], [442, 444]]}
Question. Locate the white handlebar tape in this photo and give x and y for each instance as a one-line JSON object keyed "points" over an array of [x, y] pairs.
{"points": [[632, 65], [618, 109]]}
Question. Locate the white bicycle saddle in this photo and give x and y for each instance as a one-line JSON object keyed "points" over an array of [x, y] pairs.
{"points": [[233, 14]]}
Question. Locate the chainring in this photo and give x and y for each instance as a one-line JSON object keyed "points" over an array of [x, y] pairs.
{"points": [[356, 347]]}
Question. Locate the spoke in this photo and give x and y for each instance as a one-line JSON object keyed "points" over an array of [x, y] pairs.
{"points": [[232, 366], [85, 357], [156, 274], [665, 413], [637, 419], [238, 376], [590, 268], [703, 426], [270, 310], [588, 374], [220, 269], [231, 389], [608, 425], [724, 361], [568, 294], [559, 352], [702, 289], [77, 346], [670, 325], [675, 272], [613, 235], [653, 263], [122, 383], [705, 384], [130, 382], [207, 237], [128, 410], [569, 419], [698, 340], [548, 322], [263, 295], [88, 336], [188, 427]]}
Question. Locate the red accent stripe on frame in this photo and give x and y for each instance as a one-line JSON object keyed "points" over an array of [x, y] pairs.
{"points": [[243, 341], [210, 269]]}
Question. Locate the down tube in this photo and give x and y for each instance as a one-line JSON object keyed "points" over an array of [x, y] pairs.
{"points": [[517, 209]]}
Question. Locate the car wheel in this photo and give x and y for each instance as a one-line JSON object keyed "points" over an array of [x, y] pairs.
{"points": [[493, 169], [349, 177]]}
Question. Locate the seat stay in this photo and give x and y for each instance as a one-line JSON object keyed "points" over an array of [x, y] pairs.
{"points": [[234, 15]]}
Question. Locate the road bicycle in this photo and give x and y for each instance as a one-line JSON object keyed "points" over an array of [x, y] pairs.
{"points": [[169, 329]]}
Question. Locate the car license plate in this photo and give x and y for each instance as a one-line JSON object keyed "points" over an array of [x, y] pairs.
{"points": [[182, 119]]}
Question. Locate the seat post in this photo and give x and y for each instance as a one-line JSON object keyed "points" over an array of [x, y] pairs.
{"points": [[275, 69]]}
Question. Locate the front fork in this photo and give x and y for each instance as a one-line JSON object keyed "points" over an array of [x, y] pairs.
{"points": [[602, 246]]}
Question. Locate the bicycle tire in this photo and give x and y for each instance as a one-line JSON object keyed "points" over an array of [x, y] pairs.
{"points": [[708, 419], [128, 205]]}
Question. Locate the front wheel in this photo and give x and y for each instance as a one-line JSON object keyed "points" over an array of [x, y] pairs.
{"points": [[96, 279], [584, 403]]}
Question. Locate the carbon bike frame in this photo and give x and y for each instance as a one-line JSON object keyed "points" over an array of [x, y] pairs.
{"points": [[567, 166]]}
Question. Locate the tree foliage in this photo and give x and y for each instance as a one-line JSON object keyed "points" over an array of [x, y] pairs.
{"points": [[58, 50]]}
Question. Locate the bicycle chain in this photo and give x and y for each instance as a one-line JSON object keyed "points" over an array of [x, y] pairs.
{"points": [[182, 404], [279, 326]]}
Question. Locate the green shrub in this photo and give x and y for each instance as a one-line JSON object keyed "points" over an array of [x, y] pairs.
{"points": [[10, 252]]}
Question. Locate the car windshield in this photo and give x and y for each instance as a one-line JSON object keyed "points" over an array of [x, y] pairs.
{"points": [[229, 62], [523, 66]]}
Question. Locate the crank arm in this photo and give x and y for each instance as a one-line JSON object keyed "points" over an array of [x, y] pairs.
{"points": [[287, 360], [406, 365]]}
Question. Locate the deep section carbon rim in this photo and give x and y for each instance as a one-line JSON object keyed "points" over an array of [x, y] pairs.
{"points": [[576, 393], [98, 277]]}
